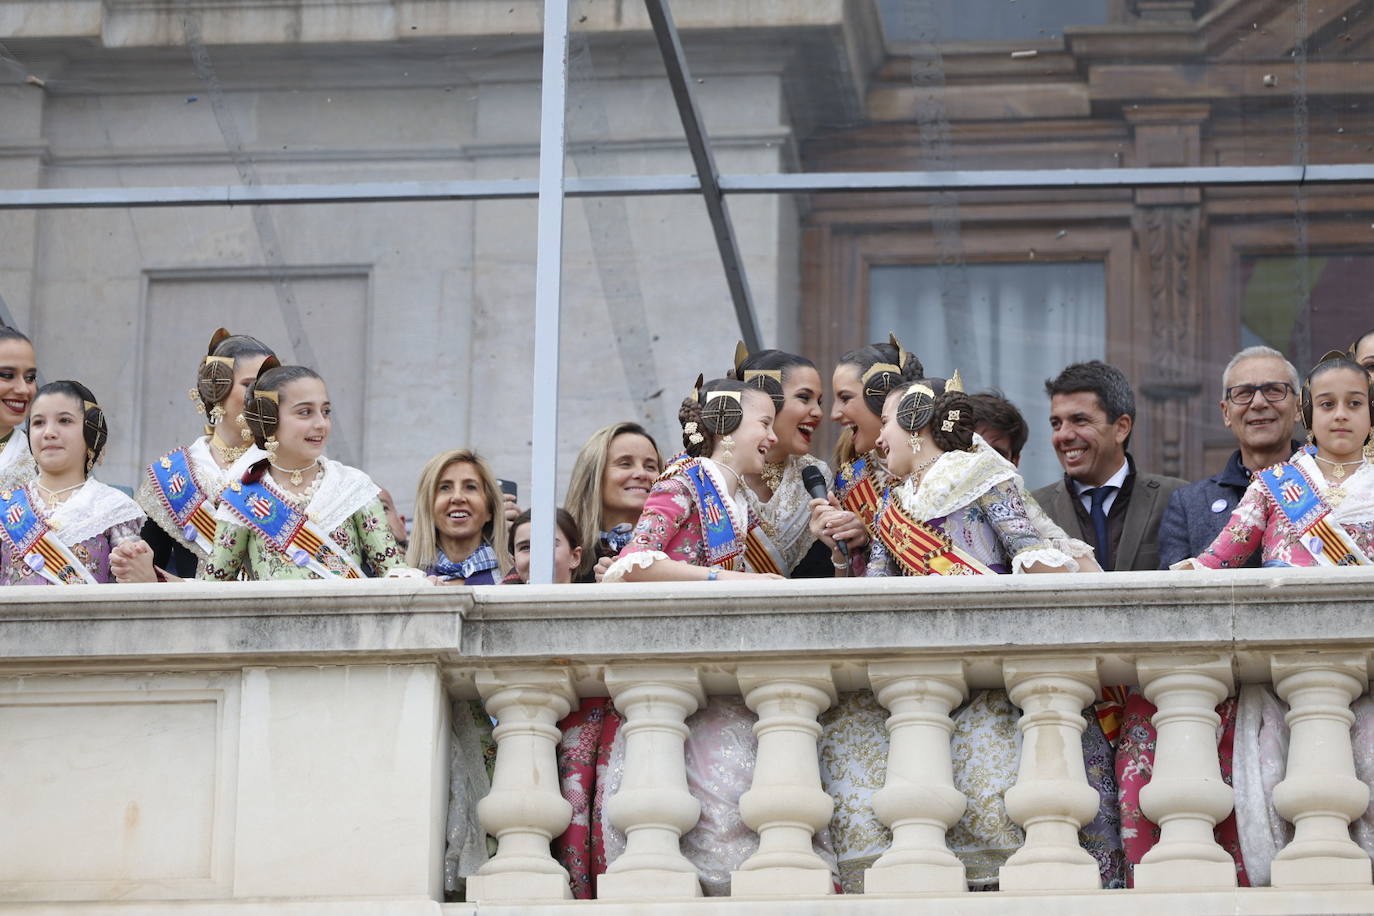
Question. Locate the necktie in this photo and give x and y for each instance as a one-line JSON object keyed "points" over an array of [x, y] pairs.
{"points": [[1099, 517]]}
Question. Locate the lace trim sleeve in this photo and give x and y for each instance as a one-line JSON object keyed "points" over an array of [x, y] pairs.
{"points": [[640, 559]]}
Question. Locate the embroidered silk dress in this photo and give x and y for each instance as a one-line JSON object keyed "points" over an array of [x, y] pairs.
{"points": [[345, 506], [784, 531], [90, 523], [1258, 523], [172, 550], [975, 499]]}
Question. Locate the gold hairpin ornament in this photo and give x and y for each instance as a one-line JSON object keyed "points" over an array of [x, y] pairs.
{"points": [[955, 383]]}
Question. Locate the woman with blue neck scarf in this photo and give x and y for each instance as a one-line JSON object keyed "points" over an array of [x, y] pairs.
{"points": [[459, 537], [610, 481]]}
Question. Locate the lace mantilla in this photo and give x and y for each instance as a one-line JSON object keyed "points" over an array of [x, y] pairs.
{"points": [[344, 491], [210, 478], [785, 518], [94, 509], [955, 480]]}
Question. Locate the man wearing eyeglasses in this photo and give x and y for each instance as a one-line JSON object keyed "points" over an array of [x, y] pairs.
{"points": [[1259, 404]]}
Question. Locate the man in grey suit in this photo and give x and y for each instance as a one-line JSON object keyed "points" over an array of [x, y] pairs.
{"points": [[1102, 498], [1259, 404]]}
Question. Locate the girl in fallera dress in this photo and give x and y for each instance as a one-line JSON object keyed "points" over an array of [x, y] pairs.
{"points": [[459, 536], [861, 382], [60, 526], [783, 542], [694, 527], [297, 514], [610, 481], [18, 385], [180, 491]]}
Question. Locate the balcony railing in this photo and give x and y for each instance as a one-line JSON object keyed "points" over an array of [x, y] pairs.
{"points": [[286, 745]]}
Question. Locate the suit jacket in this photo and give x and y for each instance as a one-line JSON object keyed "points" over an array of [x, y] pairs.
{"points": [[1139, 547], [1197, 513]]}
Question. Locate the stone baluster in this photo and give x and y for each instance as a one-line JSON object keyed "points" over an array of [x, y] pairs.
{"points": [[525, 809], [1320, 793], [1051, 798], [785, 804], [653, 806], [918, 799], [1186, 795]]}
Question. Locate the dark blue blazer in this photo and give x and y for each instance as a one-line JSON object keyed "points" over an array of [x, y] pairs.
{"points": [[1197, 513]]}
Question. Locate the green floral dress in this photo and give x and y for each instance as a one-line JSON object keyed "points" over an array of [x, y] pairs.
{"points": [[345, 504]]}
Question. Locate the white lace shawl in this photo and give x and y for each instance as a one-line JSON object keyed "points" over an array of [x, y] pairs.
{"points": [[343, 491], [94, 509], [1358, 505], [957, 479], [210, 478], [786, 518]]}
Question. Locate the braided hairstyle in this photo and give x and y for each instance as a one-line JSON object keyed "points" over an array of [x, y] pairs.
{"points": [[883, 367], [715, 409], [93, 426], [1329, 363], [215, 376], [948, 413]]}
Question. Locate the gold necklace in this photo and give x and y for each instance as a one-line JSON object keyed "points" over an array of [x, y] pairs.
{"points": [[227, 453], [772, 475], [296, 473], [1339, 466]]}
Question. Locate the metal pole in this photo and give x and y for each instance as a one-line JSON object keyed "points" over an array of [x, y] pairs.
{"points": [[548, 289], [680, 79]]}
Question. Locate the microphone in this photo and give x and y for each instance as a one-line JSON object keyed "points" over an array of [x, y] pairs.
{"points": [[814, 481]]}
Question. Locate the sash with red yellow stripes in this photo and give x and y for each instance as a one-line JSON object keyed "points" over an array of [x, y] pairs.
{"points": [[921, 549], [289, 530], [854, 486], [1298, 498], [758, 555], [30, 539]]}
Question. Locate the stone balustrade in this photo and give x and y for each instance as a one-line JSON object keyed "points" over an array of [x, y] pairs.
{"points": [[284, 747]]}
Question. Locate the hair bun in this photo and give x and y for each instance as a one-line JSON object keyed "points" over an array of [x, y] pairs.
{"points": [[722, 413], [916, 408]]}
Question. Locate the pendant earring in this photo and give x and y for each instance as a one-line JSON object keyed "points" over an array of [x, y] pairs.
{"points": [[915, 443], [728, 444], [1311, 439], [216, 414], [244, 432], [271, 445]]}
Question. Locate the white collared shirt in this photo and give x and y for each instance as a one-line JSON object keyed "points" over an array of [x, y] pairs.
{"points": [[1116, 481]]}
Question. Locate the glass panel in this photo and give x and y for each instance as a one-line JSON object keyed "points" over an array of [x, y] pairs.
{"points": [[1006, 327], [1305, 307]]}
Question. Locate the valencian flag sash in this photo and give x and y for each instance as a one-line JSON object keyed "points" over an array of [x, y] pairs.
{"points": [[854, 486], [289, 530], [1301, 503], [921, 549], [758, 553], [31, 541], [185, 500], [724, 541]]}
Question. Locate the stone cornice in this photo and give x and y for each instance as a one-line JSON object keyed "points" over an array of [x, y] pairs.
{"points": [[1115, 617]]}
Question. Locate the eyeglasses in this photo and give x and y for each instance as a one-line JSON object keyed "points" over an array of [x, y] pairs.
{"points": [[1273, 392]]}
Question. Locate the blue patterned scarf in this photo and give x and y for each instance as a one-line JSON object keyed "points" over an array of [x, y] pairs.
{"points": [[480, 560], [617, 537]]}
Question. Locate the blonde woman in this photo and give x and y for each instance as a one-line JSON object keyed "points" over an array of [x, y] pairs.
{"points": [[459, 536], [610, 481]]}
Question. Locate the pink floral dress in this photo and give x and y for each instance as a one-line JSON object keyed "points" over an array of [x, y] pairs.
{"points": [[1259, 524]]}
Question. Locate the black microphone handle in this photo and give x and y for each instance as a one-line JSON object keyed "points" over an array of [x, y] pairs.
{"points": [[814, 481]]}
